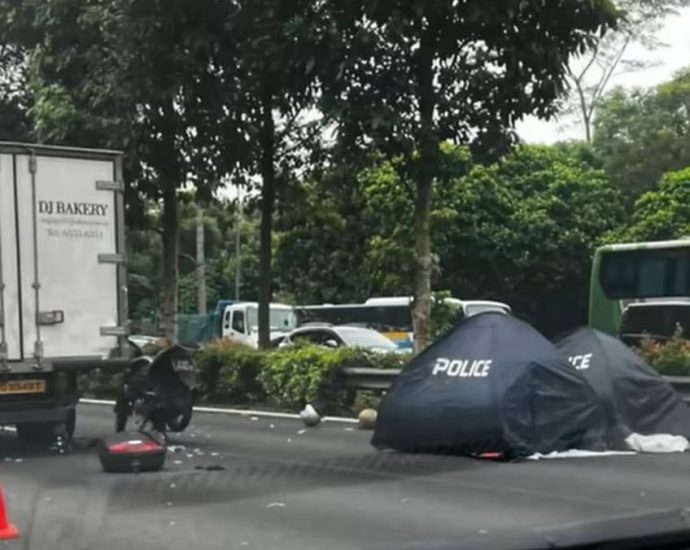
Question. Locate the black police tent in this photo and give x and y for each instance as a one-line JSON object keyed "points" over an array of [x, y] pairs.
{"points": [[635, 398], [492, 384]]}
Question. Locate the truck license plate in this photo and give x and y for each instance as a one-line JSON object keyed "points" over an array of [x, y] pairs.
{"points": [[14, 387]]}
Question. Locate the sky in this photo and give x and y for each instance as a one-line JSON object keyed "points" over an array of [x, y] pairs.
{"points": [[675, 33]]}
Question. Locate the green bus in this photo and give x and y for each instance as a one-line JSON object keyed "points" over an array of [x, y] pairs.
{"points": [[641, 288]]}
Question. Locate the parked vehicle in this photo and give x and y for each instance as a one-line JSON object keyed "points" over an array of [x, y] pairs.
{"points": [[63, 300], [332, 336], [237, 321], [240, 322], [391, 316], [655, 319], [635, 273], [158, 392], [142, 341]]}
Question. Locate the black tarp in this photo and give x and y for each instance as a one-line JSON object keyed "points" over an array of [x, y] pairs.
{"points": [[491, 384], [634, 396]]}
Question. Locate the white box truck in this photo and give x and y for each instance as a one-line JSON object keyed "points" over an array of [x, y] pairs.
{"points": [[63, 294]]}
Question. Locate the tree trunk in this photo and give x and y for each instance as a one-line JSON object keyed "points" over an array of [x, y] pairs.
{"points": [[428, 149], [200, 263], [169, 180], [267, 168], [169, 276]]}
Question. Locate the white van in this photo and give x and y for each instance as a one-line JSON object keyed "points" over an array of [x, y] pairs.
{"points": [[241, 322], [469, 307]]}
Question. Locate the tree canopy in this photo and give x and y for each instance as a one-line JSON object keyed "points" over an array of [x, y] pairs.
{"points": [[641, 134], [663, 213]]}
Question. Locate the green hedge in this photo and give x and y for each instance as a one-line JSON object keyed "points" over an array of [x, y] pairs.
{"points": [[671, 358], [288, 377], [230, 371]]}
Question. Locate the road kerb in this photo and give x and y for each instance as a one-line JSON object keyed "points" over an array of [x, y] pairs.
{"points": [[239, 412]]}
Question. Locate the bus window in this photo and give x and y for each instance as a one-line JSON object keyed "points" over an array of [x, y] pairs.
{"points": [[651, 273]]}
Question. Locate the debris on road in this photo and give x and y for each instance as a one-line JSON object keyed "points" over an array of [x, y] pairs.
{"points": [[309, 416], [211, 468], [276, 505], [367, 419]]}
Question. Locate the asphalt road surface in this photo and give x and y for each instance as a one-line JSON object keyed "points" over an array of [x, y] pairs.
{"points": [[325, 488]]}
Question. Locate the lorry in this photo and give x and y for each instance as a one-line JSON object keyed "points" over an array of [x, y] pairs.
{"points": [[234, 320], [63, 293]]}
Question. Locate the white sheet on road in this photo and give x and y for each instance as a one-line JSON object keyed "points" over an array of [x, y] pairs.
{"points": [[577, 453], [658, 443], [638, 443]]}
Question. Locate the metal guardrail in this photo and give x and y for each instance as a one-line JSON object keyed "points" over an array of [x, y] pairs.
{"points": [[381, 379], [364, 378]]}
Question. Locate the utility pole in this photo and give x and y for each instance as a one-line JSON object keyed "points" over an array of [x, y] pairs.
{"points": [[200, 263], [238, 244]]}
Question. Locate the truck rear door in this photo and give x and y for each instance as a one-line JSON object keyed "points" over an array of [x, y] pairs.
{"points": [[10, 324], [64, 236]]}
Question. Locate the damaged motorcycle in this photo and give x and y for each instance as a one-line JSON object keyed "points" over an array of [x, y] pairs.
{"points": [[158, 393]]}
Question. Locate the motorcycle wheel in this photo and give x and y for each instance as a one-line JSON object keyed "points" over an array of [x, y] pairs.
{"points": [[181, 421]]}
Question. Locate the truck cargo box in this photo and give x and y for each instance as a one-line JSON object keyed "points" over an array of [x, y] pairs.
{"points": [[63, 302]]}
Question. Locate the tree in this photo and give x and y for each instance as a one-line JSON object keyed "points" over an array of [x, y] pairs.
{"points": [[407, 75], [524, 231], [220, 226], [14, 97], [661, 214], [348, 234], [271, 77], [590, 74], [641, 134], [135, 75]]}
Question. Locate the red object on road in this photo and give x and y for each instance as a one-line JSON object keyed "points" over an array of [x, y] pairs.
{"points": [[7, 530]]}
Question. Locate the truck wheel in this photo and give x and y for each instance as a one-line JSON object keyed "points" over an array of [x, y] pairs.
{"points": [[36, 434], [43, 434]]}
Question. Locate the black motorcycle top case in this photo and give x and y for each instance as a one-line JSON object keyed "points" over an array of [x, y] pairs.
{"points": [[131, 452]]}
